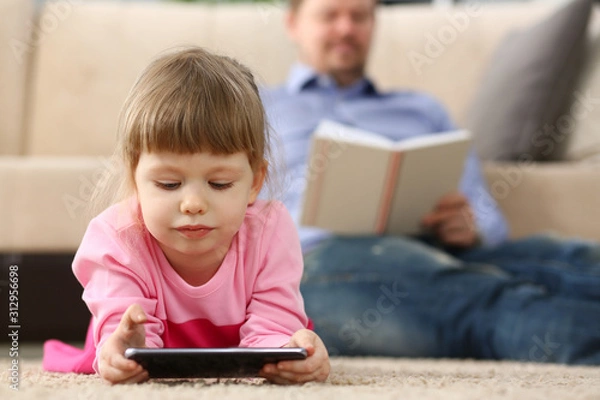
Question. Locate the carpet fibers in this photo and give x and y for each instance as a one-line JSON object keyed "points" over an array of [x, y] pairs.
{"points": [[351, 378]]}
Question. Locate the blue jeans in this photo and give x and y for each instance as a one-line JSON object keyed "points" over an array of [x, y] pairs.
{"points": [[535, 299]]}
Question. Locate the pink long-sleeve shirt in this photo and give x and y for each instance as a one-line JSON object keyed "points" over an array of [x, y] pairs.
{"points": [[253, 300]]}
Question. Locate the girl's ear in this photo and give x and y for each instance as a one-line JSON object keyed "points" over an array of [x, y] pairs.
{"points": [[258, 181]]}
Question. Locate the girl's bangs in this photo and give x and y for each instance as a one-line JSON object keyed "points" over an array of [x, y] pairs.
{"points": [[195, 104]]}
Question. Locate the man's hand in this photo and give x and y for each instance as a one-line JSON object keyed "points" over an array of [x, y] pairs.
{"points": [[452, 221], [112, 364], [314, 368]]}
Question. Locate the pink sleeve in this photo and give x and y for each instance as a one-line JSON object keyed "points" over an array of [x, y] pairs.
{"points": [[112, 272], [276, 309]]}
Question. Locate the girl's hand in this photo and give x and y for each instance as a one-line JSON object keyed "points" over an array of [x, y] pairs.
{"points": [[112, 364], [314, 368]]}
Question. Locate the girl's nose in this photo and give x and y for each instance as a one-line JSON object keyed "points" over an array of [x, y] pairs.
{"points": [[193, 204]]}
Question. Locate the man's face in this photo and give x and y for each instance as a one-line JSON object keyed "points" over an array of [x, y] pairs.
{"points": [[334, 36]]}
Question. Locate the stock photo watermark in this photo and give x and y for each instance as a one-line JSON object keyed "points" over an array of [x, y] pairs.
{"points": [[57, 11], [318, 164], [446, 35], [356, 329], [268, 8], [544, 141], [75, 203], [13, 326], [543, 350]]}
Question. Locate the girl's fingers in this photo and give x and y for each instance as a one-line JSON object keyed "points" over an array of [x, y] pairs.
{"points": [[116, 368], [116, 375], [298, 367], [140, 377], [112, 365], [133, 316], [130, 331], [315, 368], [122, 363], [278, 378], [290, 378]]}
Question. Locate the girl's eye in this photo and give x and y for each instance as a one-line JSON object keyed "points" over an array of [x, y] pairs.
{"points": [[168, 185], [220, 186]]}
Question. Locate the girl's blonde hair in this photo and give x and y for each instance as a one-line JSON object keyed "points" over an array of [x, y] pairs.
{"points": [[187, 101]]}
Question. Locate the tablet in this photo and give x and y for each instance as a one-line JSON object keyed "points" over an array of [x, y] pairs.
{"points": [[237, 362]]}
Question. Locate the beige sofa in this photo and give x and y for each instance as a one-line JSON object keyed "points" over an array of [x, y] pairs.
{"points": [[66, 71]]}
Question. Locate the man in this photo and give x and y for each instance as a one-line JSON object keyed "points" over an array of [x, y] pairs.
{"points": [[463, 291]]}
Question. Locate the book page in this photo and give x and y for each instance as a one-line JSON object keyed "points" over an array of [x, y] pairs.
{"points": [[335, 131], [359, 182], [436, 139], [426, 174], [344, 188]]}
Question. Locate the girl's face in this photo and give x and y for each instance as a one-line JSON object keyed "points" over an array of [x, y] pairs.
{"points": [[194, 204]]}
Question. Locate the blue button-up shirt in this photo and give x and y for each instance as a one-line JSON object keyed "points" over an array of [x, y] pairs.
{"points": [[295, 109]]}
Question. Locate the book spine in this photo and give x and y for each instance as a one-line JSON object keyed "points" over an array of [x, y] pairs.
{"points": [[391, 180]]}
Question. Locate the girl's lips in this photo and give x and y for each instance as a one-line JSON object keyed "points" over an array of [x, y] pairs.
{"points": [[194, 231]]}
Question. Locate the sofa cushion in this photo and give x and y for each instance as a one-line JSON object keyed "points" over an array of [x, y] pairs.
{"points": [[516, 113], [85, 69], [80, 79], [584, 142], [546, 197], [444, 51], [45, 201], [15, 51]]}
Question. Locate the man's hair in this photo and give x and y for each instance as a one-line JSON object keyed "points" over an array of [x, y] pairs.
{"points": [[295, 4]]}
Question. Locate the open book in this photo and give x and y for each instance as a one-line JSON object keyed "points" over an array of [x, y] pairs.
{"points": [[359, 182]]}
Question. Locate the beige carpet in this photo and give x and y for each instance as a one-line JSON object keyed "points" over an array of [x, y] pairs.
{"points": [[368, 378]]}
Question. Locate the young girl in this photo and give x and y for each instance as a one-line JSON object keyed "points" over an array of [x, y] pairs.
{"points": [[189, 257]]}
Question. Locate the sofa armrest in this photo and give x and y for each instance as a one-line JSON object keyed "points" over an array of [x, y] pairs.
{"points": [[558, 197], [45, 201]]}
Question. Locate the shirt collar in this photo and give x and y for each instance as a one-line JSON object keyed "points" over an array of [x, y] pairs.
{"points": [[303, 77]]}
